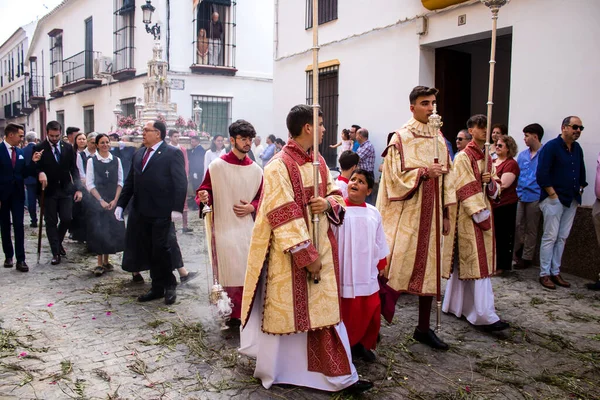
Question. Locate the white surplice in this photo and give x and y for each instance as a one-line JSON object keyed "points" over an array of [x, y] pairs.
{"points": [[283, 359], [472, 298], [362, 244]]}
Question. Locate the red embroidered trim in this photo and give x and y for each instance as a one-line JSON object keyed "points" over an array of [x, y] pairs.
{"points": [[470, 189], [336, 264], [284, 214], [300, 298], [427, 218], [304, 257], [326, 353], [481, 252]]}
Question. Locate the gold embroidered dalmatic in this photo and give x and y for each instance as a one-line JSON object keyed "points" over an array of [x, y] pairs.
{"points": [[476, 242], [292, 302], [406, 201]]}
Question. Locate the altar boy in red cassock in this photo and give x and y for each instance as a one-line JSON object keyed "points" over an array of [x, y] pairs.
{"points": [[363, 250]]}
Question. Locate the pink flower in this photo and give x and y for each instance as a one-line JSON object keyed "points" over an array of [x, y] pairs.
{"points": [[50, 304], [93, 317], [467, 389], [108, 313], [23, 354]]}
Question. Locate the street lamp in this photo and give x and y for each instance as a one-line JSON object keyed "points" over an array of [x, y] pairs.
{"points": [[197, 114], [118, 111], [147, 10]]}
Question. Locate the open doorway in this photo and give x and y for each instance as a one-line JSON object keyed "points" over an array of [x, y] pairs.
{"points": [[462, 77]]}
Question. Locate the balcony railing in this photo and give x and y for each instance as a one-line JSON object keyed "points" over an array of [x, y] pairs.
{"points": [[80, 66], [35, 86]]}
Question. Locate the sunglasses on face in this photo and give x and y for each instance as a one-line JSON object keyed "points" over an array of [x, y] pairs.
{"points": [[460, 139], [577, 127], [499, 146]]}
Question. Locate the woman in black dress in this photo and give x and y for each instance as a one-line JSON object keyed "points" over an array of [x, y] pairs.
{"points": [[84, 148], [104, 181]]}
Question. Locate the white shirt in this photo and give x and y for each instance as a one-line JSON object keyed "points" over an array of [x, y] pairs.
{"points": [[211, 156], [154, 148], [90, 184], [362, 244], [79, 163], [258, 150], [9, 148]]}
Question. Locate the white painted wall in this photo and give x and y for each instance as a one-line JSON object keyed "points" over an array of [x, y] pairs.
{"points": [[251, 88], [553, 71]]}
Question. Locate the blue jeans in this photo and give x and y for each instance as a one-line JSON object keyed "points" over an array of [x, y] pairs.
{"points": [[558, 220]]}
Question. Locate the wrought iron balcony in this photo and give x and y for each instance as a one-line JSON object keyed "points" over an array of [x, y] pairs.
{"points": [[8, 111], [36, 90], [78, 72]]}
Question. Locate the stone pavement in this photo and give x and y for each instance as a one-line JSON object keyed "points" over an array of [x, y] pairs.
{"points": [[67, 334]]}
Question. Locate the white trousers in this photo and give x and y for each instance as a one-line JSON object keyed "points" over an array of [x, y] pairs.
{"points": [[473, 298], [284, 359]]}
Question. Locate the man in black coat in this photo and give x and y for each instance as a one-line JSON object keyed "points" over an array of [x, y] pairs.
{"points": [[196, 160], [59, 178], [158, 184], [13, 170]]}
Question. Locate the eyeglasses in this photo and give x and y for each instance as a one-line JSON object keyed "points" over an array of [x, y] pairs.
{"points": [[460, 139], [499, 146], [150, 130], [577, 127]]}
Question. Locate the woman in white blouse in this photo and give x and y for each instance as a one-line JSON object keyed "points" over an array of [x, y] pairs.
{"points": [[104, 181], [217, 149]]}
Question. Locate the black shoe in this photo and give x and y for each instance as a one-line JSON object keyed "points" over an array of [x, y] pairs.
{"points": [[170, 296], [187, 230], [190, 276], [99, 270], [8, 263], [137, 278], [152, 294], [233, 322], [523, 264], [108, 267], [62, 251], [22, 266], [33, 225], [359, 387], [430, 339], [55, 259], [593, 286], [495, 327]]}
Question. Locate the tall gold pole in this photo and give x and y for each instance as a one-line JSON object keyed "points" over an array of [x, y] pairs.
{"points": [[316, 107], [435, 122], [494, 6]]}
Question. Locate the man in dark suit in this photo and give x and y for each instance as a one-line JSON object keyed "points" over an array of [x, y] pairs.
{"points": [[158, 184], [31, 181], [13, 170], [59, 177], [196, 159]]}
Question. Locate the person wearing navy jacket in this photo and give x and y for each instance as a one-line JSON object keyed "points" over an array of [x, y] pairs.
{"points": [[13, 171], [561, 175]]}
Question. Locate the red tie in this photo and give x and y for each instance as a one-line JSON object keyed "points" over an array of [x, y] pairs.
{"points": [[145, 159], [13, 158]]}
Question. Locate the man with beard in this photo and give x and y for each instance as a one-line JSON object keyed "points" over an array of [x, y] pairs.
{"points": [[561, 175], [232, 187]]}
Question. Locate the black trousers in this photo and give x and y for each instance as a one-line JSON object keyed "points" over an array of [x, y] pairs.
{"points": [[32, 201], [15, 206], [154, 237], [58, 206], [504, 229]]}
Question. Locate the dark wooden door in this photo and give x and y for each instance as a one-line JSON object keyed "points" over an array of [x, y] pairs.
{"points": [[89, 49], [453, 79]]}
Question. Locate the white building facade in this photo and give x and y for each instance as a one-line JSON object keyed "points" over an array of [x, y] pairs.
{"points": [[373, 54], [14, 92], [87, 56]]}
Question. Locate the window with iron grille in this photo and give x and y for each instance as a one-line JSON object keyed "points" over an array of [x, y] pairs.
{"points": [[216, 114], [60, 118], [328, 100], [128, 107], [88, 119], [214, 43], [328, 10], [56, 56], [124, 28]]}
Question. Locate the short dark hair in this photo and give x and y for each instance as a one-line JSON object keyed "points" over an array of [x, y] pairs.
{"points": [[280, 141], [421, 91], [72, 129], [367, 174], [535, 129], [567, 121], [172, 132], [299, 116], [114, 136], [348, 159], [162, 128], [503, 128], [272, 138], [242, 128], [195, 138], [100, 136], [53, 126], [477, 120], [13, 128], [346, 133], [356, 128]]}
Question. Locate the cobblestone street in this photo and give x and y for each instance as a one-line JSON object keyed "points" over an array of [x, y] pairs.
{"points": [[67, 334]]}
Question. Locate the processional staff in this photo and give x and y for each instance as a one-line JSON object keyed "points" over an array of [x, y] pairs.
{"points": [[494, 6], [316, 107], [435, 122]]}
